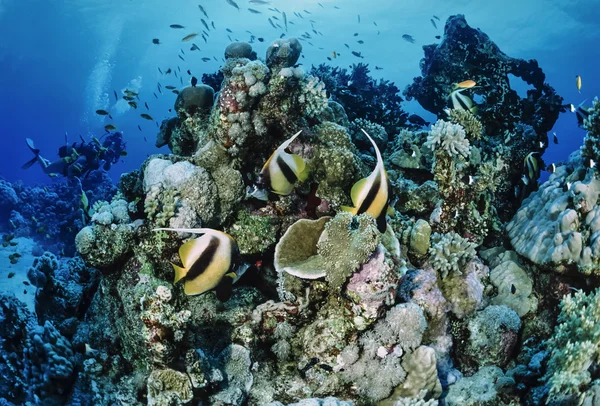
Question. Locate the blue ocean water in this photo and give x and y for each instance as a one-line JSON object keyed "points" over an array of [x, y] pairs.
{"points": [[63, 59]]}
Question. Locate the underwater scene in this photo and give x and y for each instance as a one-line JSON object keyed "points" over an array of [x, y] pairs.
{"points": [[308, 203]]}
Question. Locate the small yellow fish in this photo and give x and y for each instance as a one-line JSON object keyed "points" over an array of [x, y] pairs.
{"points": [[334, 54], [146, 116], [465, 84], [110, 127], [189, 37], [578, 83]]}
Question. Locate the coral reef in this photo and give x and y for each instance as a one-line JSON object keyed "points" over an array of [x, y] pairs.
{"points": [[53, 214], [330, 311], [468, 53]]}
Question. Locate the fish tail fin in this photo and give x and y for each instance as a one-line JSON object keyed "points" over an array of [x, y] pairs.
{"points": [[180, 272]]}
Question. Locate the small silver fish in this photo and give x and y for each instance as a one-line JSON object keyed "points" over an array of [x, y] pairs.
{"points": [[233, 4]]}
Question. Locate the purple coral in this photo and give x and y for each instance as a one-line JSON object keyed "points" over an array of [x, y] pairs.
{"points": [[373, 286]]}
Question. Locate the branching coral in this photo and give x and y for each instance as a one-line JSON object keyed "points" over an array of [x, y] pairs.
{"points": [[591, 142], [468, 121], [449, 137], [450, 252], [313, 96], [575, 345]]}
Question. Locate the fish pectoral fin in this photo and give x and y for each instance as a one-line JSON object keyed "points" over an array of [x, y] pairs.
{"points": [[225, 287], [357, 189], [381, 223], [179, 272]]}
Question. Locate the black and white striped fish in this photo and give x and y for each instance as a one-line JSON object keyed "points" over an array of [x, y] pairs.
{"points": [[280, 172], [209, 262], [581, 112], [531, 167], [372, 194], [461, 101]]}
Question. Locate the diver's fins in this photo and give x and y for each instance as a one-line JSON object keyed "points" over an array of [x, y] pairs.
{"points": [[31, 146], [28, 164], [33, 149]]}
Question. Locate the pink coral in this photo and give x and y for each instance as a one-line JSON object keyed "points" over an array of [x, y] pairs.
{"points": [[373, 286]]}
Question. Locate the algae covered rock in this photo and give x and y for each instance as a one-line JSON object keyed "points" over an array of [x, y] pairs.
{"points": [[488, 387], [194, 99], [239, 50], [168, 387], [235, 362], [493, 335], [283, 53], [514, 288], [166, 130]]}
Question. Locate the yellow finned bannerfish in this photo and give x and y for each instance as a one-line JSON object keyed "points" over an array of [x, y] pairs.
{"points": [[372, 194], [282, 170], [578, 83], [209, 262], [465, 84], [531, 166]]}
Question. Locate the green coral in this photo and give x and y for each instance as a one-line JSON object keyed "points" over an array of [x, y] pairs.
{"points": [[346, 244], [101, 246], [450, 252], [254, 234], [313, 249], [335, 166], [575, 346], [470, 123], [160, 205]]}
